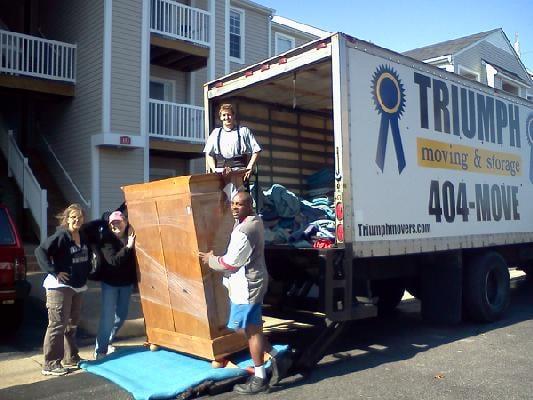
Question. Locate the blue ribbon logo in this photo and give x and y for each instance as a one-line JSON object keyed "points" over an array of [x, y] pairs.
{"points": [[389, 97], [529, 135]]}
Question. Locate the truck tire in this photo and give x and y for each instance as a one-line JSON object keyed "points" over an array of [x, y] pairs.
{"points": [[486, 289], [389, 293]]}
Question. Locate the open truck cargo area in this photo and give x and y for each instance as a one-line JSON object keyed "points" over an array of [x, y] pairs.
{"points": [[433, 186]]}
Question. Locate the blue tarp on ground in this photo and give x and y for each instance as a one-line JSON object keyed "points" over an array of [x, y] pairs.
{"points": [[162, 374]]}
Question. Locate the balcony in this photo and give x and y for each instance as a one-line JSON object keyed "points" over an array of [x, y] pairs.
{"points": [[176, 122], [24, 58], [179, 35]]}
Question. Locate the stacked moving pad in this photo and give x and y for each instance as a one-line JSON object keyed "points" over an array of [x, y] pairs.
{"points": [[290, 220]]}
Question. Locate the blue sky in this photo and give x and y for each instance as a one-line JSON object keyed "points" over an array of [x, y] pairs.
{"points": [[404, 25]]}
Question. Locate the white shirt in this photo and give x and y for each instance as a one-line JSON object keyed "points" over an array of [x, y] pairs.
{"points": [[51, 282], [229, 144]]}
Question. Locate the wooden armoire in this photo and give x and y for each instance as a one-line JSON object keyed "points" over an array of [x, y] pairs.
{"points": [[184, 303]]}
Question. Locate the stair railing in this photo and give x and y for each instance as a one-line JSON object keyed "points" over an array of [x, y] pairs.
{"points": [[34, 197], [58, 163]]}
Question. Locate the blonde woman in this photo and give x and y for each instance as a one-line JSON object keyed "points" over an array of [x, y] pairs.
{"points": [[65, 257]]}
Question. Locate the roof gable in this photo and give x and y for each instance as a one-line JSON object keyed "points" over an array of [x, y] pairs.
{"points": [[291, 25], [496, 37], [449, 47]]}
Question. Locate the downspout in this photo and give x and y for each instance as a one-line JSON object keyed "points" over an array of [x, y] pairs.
{"points": [[226, 36], [212, 26], [106, 109], [270, 36], [192, 75], [145, 79]]}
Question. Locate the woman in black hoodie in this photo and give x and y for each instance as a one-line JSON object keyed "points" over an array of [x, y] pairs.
{"points": [[65, 257], [116, 269]]}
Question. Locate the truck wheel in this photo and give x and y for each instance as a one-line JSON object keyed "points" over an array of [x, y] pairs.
{"points": [[486, 289], [389, 292]]}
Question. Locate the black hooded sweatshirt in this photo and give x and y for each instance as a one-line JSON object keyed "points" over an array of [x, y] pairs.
{"points": [[59, 253], [115, 262]]}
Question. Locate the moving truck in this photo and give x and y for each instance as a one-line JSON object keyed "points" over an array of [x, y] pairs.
{"points": [[433, 179]]}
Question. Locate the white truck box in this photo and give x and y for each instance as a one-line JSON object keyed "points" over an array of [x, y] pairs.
{"points": [[465, 179]]}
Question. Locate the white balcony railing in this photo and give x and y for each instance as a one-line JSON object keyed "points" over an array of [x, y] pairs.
{"points": [[33, 196], [179, 21], [176, 121], [22, 54]]}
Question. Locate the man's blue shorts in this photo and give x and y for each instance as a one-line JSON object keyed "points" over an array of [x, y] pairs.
{"points": [[242, 315]]}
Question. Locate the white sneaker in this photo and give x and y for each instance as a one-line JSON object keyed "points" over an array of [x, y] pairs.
{"points": [[99, 356], [57, 371], [111, 349]]}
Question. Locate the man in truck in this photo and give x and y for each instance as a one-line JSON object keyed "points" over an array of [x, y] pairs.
{"points": [[231, 147], [246, 277]]}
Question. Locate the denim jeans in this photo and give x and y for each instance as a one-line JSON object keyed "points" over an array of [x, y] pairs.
{"points": [[64, 306], [115, 303]]}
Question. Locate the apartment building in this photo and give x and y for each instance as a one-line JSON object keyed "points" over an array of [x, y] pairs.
{"points": [[106, 93]]}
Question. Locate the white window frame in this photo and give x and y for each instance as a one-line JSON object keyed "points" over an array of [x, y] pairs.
{"points": [[510, 83], [242, 14], [168, 84], [461, 69], [279, 35]]}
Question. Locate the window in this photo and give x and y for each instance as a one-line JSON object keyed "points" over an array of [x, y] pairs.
{"points": [[510, 88], [283, 43], [161, 89], [236, 35], [468, 73], [7, 236]]}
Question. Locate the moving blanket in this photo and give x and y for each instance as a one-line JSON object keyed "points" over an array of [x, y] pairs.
{"points": [[163, 374]]}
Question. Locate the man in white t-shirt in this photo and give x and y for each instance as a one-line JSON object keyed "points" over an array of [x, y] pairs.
{"points": [[231, 146]]}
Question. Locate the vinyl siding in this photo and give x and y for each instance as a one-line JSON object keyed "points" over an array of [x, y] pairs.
{"points": [[126, 66], [200, 76], [472, 57], [201, 4], [220, 37], [200, 79], [255, 39], [118, 168], [68, 125]]}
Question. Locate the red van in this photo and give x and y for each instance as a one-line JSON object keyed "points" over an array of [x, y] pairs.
{"points": [[14, 288]]}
